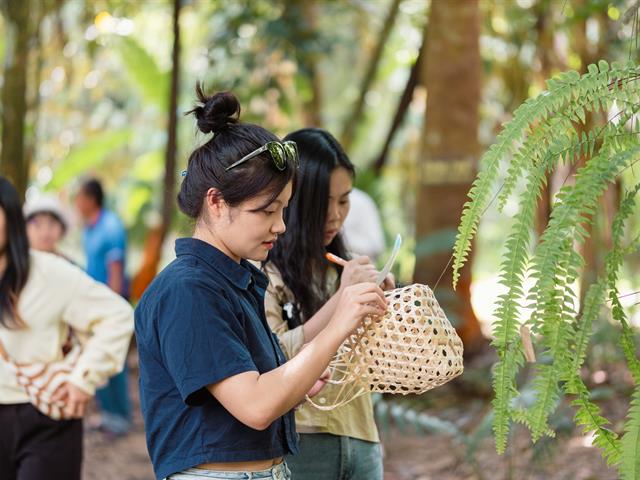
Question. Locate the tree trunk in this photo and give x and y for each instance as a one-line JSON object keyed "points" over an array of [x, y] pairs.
{"points": [[168, 200], [545, 31], [35, 78], [593, 244], [355, 117], [13, 161], [155, 238], [450, 151], [312, 107]]}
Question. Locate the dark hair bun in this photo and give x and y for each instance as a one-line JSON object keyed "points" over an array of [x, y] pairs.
{"points": [[217, 112]]}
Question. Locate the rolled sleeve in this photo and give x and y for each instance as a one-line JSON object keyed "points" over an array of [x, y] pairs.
{"points": [[291, 341], [202, 340], [116, 245], [115, 254]]}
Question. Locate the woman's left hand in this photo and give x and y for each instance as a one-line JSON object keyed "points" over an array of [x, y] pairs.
{"points": [[389, 282], [320, 383]]}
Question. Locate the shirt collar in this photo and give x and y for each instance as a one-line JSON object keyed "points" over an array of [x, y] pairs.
{"points": [[241, 275]]}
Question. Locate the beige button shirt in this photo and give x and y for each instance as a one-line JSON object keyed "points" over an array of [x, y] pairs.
{"points": [[355, 419], [59, 295]]}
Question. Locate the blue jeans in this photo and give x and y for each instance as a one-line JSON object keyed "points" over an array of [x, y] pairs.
{"points": [[115, 406], [277, 472], [331, 457]]}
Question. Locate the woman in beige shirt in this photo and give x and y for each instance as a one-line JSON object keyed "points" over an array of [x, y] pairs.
{"points": [[41, 297], [301, 298]]}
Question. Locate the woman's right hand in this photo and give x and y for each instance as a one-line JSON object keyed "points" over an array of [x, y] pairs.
{"points": [[357, 302], [357, 270]]}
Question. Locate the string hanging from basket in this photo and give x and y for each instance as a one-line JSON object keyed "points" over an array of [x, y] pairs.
{"points": [[411, 349]]}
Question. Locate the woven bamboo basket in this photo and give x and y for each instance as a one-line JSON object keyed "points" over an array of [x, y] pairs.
{"points": [[411, 349]]}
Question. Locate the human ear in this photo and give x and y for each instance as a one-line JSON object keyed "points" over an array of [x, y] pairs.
{"points": [[214, 203]]}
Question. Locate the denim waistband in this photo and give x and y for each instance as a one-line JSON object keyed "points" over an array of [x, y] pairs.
{"points": [[277, 472]]}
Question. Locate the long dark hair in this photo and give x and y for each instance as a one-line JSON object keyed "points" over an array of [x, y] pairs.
{"points": [[299, 253], [219, 114], [16, 250]]}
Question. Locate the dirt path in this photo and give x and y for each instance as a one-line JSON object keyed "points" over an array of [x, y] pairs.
{"points": [[437, 458], [407, 457]]}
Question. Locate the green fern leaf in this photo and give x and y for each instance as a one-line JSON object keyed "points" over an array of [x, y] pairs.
{"points": [[592, 422], [630, 466], [548, 394], [504, 385]]}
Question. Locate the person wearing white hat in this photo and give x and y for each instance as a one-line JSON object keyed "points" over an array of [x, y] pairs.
{"points": [[46, 223]]}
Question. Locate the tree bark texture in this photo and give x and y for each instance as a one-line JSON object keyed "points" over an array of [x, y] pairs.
{"points": [[13, 161], [450, 150]]}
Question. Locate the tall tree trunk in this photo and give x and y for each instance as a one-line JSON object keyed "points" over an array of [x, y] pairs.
{"points": [[545, 31], [309, 61], [13, 162], [313, 117], [42, 9], [611, 199], [355, 117], [155, 238], [592, 247], [168, 200], [450, 151], [301, 17]]}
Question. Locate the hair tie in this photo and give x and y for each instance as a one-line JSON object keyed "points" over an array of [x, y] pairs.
{"points": [[183, 173]]}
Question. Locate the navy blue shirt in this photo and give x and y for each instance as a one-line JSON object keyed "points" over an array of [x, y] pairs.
{"points": [[202, 320]]}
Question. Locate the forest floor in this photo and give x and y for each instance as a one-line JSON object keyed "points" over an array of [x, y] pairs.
{"points": [[409, 455]]}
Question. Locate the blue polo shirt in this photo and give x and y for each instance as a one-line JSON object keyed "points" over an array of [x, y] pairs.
{"points": [[104, 242], [202, 320]]}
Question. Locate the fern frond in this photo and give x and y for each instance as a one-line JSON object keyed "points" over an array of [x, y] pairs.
{"points": [[568, 97], [555, 266], [575, 205], [630, 465], [504, 386], [526, 158], [589, 417], [514, 265], [592, 304], [548, 394], [613, 262], [545, 132]]}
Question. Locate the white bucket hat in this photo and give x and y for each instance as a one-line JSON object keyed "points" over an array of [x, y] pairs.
{"points": [[46, 204]]}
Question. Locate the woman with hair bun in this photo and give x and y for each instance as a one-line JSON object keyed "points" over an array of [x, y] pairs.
{"points": [[216, 391]]}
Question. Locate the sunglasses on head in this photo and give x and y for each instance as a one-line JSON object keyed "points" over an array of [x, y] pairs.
{"points": [[281, 154]]}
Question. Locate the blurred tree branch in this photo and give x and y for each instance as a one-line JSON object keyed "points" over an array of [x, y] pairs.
{"points": [[354, 118], [403, 105], [155, 237]]}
